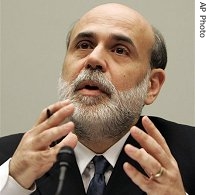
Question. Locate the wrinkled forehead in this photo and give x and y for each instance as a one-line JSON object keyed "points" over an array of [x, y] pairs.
{"points": [[115, 17]]}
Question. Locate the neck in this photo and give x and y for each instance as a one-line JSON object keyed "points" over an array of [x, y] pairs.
{"points": [[100, 146]]}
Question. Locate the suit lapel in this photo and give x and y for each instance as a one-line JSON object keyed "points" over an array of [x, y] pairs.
{"points": [[119, 182]]}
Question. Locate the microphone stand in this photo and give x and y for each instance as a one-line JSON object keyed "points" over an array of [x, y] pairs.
{"points": [[64, 158]]}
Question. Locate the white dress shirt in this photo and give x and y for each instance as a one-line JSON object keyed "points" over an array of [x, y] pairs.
{"points": [[83, 156], [8, 185]]}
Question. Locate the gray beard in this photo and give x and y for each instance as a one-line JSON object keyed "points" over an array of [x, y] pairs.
{"points": [[108, 116]]}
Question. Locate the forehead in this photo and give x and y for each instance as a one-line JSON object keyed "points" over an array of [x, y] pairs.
{"points": [[116, 25], [115, 19]]}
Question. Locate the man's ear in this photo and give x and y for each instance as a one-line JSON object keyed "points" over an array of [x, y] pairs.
{"points": [[157, 78]]}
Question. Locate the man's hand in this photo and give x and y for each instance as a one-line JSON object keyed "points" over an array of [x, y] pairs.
{"points": [[163, 175], [34, 156]]}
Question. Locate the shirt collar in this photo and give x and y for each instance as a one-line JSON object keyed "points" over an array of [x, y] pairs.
{"points": [[85, 155]]}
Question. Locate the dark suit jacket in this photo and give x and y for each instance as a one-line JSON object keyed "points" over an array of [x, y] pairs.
{"points": [[180, 138]]}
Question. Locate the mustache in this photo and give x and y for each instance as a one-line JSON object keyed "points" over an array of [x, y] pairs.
{"points": [[95, 78]]}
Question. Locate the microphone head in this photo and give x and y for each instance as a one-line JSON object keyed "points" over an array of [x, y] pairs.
{"points": [[65, 156]]}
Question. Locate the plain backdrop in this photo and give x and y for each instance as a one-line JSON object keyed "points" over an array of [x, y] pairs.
{"points": [[33, 35]]}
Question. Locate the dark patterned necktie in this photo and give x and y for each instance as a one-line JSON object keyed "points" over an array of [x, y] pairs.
{"points": [[97, 184]]}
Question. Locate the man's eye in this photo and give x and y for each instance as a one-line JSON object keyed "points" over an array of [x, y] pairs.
{"points": [[84, 45], [120, 50]]}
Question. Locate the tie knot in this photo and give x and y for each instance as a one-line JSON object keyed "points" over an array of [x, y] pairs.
{"points": [[101, 164]]}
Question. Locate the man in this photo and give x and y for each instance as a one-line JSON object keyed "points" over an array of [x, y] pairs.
{"points": [[114, 65]]}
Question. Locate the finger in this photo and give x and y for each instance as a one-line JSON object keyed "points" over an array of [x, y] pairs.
{"points": [[139, 179], [155, 133], [70, 140], [55, 119], [150, 145], [134, 174], [150, 165], [44, 139], [53, 108]]}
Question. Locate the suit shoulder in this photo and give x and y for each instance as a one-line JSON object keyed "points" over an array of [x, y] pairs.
{"points": [[8, 145], [167, 123], [175, 134]]}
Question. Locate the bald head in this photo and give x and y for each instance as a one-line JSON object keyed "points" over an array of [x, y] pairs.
{"points": [[114, 11], [117, 14], [131, 21]]}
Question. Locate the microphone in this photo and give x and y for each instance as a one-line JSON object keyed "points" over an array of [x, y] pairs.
{"points": [[64, 157]]}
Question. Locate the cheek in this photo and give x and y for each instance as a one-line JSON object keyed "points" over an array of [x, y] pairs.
{"points": [[71, 68], [124, 78], [122, 81]]}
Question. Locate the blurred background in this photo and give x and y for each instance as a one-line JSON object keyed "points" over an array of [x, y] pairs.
{"points": [[33, 35]]}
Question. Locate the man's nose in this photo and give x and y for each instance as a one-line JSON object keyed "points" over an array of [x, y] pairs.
{"points": [[97, 59]]}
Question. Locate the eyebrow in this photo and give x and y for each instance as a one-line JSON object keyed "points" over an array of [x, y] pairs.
{"points": [[86, 34], [120, 37], [81, 35], [116, 37]]}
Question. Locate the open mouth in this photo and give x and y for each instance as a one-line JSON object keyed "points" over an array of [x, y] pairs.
{"points": [[92, 88]]}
